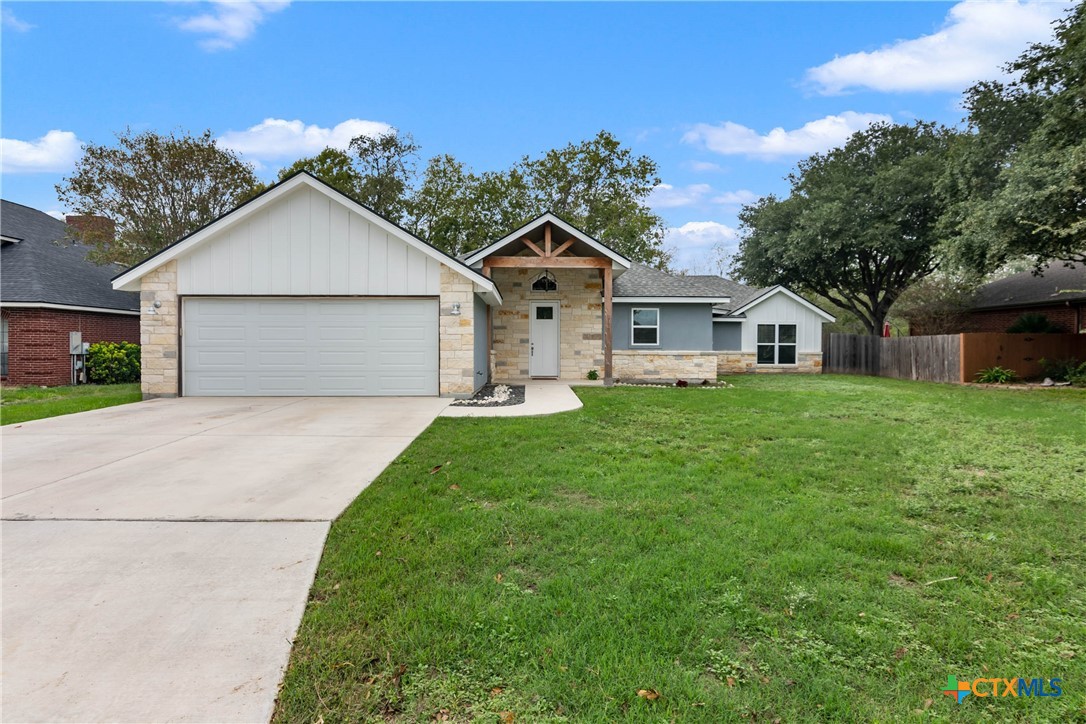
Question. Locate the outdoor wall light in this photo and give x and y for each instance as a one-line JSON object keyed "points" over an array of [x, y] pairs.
{"points": [[456, 309]]}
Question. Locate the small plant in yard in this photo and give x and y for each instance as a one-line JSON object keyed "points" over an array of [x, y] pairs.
{"points": [[113, 363], [682, 383], [1065, 370], [996, 376], [593, 374]]}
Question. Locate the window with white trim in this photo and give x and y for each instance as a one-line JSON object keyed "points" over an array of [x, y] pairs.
{"points": [[645, 327], [776, 344]]}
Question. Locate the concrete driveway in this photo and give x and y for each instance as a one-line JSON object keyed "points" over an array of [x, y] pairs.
{"points": [[157, 556]]}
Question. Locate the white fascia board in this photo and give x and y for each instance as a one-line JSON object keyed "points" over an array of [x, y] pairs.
{"points": [[10, 239], [671, 300], [477, 256], [729, 319], [128, 281], [791, 295], [67, 308]]}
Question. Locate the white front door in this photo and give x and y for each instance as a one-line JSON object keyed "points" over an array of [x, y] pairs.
{"points": [[543, 339]]}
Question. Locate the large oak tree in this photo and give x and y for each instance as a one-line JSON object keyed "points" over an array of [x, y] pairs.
{"points": [[156, 188], [860, 225]]}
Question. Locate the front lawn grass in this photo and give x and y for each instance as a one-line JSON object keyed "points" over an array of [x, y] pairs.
{"points": [[796, 548], [21, 404]]}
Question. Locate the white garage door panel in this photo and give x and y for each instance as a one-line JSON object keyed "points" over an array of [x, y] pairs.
{"points": [[310, 347]]}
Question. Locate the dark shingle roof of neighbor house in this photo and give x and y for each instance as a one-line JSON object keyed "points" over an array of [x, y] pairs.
{"points": [[47, 267], [1058, 284]]}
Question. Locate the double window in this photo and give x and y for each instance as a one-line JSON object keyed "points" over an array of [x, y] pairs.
{"points": [[646, 327], [776, 344]]}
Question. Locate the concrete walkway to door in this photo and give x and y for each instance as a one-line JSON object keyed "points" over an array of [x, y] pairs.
{"points": [[157, 556]]}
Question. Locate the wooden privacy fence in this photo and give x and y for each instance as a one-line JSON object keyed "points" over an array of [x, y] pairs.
{"points": [[946, 357], [935, 358]]}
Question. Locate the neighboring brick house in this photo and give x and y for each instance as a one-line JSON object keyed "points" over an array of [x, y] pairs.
{"points": [[1059, 294], [48, 288]]}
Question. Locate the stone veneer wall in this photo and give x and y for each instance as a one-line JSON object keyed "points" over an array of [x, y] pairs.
{"points": [[580, 325], [456, 335], [158, 332], [644, 365], [734, 363]]}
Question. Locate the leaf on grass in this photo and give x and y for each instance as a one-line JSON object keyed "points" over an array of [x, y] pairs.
{"points": [[378, 554], [498, 577], [454, 486], [507, 717], [731, 681], [900, 653], [650, 694], [435, 469], [928, 703], [496, 691], [765, 679], [441, 715], [988, 578], [1013, 616]]}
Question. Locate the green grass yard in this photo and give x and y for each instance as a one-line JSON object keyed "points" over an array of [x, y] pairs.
{"points": [[796, 548], [21, 404]]}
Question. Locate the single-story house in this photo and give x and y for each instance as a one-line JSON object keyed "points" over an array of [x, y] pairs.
{"points": [[1059, 293], [48, 289], [303, 291]]}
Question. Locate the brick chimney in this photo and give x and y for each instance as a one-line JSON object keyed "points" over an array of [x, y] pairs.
{"points": [[92, 226]]}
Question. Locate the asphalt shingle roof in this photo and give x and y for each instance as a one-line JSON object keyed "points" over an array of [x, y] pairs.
{"points": [[47, 267], [644, 281], [1058, 284]]}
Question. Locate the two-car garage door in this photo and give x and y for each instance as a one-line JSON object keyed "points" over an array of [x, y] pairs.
{"points": [[291, 346]]}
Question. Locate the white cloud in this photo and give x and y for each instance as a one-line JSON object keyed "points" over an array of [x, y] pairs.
{"points": [[666, 196], [734, 139], [55, 151], [976, 39], [276, 138], [229, 22], [9, 21], [704, 166], [58, 215], [736, 198], [701, 235], [698, 244]]}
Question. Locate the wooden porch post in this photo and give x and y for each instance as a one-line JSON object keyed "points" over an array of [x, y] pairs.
{"points": [[607, 332], [489, 330]]}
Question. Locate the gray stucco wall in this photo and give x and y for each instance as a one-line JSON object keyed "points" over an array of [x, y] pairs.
{"points": [[727, 336], [480, 343], [687, 327]]}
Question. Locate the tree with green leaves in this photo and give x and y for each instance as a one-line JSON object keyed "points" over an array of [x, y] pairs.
{"points": [[333, 166], [386, 166], [601, 187], [860, 225], [156, 188], [1021, 174]]}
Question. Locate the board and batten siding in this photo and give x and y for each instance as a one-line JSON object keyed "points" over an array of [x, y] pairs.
{"points": [[781, 309], [305, 244]]}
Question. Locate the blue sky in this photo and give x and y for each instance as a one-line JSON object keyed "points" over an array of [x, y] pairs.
{"points": [[726, 97]]}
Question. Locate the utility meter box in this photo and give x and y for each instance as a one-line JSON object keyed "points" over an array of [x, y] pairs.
{"points": [[75, 343]]}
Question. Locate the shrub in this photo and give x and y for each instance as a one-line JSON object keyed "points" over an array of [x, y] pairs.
{"points": [[113, 363], [1033, 323], [996, 376], [593, 374], [681, 383], [1065, 370]]}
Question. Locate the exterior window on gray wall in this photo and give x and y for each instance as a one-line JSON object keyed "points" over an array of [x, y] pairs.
{"points": [[646, 326], [3, 346], [776, 344]]}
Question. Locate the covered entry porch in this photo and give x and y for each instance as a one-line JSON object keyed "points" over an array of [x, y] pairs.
{"points": [[556, 318]]}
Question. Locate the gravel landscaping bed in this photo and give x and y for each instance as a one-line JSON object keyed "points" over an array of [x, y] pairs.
{"points": [[494, 396]]}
